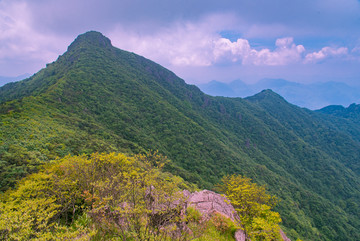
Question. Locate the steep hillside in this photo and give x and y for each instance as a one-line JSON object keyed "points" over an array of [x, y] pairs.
{"points": [[313, 129], [99, 98]]}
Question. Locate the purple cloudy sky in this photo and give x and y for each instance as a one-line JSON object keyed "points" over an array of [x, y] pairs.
{"points": [[200, 40]]}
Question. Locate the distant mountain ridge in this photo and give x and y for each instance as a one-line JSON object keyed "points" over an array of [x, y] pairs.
{"points": [[350, 113], [97, 98], [312, 96], [5, 79]]}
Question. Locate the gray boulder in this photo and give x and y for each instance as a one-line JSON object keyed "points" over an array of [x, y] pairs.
{"points": [[209, 203]]}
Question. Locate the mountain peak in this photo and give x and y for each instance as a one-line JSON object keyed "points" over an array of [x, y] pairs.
{"points": [[265, 94], [92, 38], [267, 97]]}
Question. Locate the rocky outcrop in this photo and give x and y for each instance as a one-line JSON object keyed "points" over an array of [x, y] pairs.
{"points": [[209, 203], [283, 236]]}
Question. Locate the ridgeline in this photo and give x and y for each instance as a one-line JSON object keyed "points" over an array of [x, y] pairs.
{"points": [[97, 98]]}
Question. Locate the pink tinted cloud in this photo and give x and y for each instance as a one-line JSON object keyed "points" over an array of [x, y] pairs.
{"points": [[19, 38], [196, 44], [324, 53]]}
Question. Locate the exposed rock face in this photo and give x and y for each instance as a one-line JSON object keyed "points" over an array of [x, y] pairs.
{"points": [[208, 203], [283, 236], [240, 235]]}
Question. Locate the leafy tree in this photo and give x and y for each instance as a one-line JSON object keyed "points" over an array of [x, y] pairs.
{"points": [[122, 197], [253, 206]]}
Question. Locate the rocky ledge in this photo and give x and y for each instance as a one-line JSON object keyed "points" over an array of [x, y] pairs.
{"points": [[209, 203]]}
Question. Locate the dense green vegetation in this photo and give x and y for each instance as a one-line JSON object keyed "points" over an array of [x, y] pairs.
{"points": [[352, 112], [99, 98], [117, 197], [253, 205], [347, 120], [105, 197]]}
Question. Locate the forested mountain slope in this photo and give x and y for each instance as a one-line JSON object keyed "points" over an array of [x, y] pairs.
{"points": [[98, 98], [347, 120], [352, 112]]}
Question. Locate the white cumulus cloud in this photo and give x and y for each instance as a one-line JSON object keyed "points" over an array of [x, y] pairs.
{"points": [[286, 52], [193, 42], [224, 48], [324, 53], [183, 44], [195, 45]]}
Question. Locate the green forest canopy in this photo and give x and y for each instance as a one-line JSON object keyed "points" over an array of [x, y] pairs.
{"points": [[96, 98]]}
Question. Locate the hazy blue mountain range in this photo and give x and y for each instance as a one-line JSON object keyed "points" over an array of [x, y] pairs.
{"points": [[97, 98], [312, 96], [5, 79]]}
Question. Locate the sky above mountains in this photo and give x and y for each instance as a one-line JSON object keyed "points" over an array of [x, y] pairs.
{"points": [[301, 41]]}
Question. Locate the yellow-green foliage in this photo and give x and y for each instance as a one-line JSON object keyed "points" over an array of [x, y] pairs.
{"points": [[253, 206], [117, 197], [218, 228], [121, 196], [193, 215]]}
